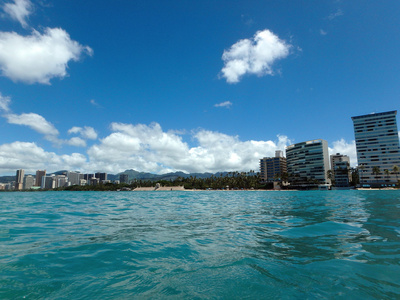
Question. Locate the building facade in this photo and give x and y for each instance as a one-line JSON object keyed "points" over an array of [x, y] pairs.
{"points": [[29, 182], [377, 143], [38, 178], [308, 163], [272, 168], [19, 180], [340, 166]]}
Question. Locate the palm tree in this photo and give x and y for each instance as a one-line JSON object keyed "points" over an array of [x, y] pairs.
{"points": [[387, 174], [396, 171], [376, 171]]}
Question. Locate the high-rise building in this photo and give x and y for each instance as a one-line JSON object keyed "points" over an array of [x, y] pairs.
{"points": [[74, 177], [272, 168], [19, 179], [124, 178], [48, 182], [39, 175], [340, 166], [377, 143], [29, 181], [308, 163], [101, 176]]}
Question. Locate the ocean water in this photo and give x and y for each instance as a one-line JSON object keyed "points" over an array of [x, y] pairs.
{"points": [[200, 245]]}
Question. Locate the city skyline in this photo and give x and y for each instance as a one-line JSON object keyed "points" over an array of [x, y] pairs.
{"points": [[194, 87]]}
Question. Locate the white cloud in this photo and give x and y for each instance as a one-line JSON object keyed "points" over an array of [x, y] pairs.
{"points": [[336, 14], [149, 148], [226, 104], [86, 132], [322, 32], [346, 148], [253, 56], [35, 122], [38, 58], [76, 141], [19, 10], [30, 157], [4, 103]]}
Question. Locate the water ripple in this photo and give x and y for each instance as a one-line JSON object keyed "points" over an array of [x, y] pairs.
{"points": [[200, 245]]}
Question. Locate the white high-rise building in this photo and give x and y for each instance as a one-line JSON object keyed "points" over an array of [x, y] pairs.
{"points": [[377, 143], [308, 163], [29, 181]]}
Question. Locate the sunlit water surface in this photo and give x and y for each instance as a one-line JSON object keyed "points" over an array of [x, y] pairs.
{"points": [[199, 245]]}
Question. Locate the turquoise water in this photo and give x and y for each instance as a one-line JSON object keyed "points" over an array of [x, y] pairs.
{"points": [[200, 245]]}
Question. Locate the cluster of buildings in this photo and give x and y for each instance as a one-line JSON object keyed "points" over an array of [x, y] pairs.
{"points": [[52, 181], [309, 164]]}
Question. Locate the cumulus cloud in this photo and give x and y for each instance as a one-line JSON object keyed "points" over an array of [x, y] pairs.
{"points": [[31, 157], [76, 141], [149, 148], [253, 56], [38, 58], [343, 147], [226, 104], [19, 10], [86, 132], [4, 103]]}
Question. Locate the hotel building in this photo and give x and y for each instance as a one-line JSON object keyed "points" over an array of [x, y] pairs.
{"points": [[377, 143], [340, 166], [270, 167], [19, 180], [308, 163]]}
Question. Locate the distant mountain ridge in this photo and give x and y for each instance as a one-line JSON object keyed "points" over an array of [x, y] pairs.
{"points": [[133, 174]]}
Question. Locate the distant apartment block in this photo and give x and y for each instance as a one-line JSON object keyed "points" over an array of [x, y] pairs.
{"points": [[124, 178], [74, 177], [38, 178], [272, 168], [377, 143], [19, 180], [340, 166], [308, 163], [101, 176], [29, 182]]}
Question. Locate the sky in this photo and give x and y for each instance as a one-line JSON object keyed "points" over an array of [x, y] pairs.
{"points": [[188, 85]]}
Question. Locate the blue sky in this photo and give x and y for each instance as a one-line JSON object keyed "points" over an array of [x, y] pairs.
{"points": [[194, 86]]}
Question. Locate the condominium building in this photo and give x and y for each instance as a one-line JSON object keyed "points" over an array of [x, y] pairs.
{"points": [[271, 168], [377, 143], [19, 180], [74, 177], [101, 176], [308, 163], [39, 175], [29, 181], [340, 166], [124, 178]]}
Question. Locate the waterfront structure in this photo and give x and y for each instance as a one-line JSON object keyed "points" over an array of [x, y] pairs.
{"points": [[272, 168], [29, 182], [308, 163], [39, 175], [19, 180], [378, 151], [340, 166]]}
